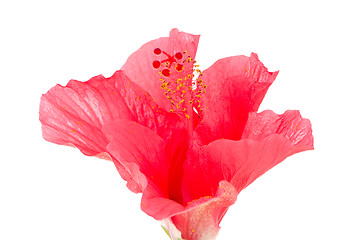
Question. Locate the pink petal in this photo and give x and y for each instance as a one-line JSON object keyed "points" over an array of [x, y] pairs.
{"points": [[142, 152], [75, 114], [290, 124], [269, 138], [235, 87], [282, 135], [201, 218], [140, 69]]}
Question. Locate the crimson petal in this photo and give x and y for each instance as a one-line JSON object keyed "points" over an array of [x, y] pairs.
{"points": [[142, 152], [267, 140], [235, 87]]}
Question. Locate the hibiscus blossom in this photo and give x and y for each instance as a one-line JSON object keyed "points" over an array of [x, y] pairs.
{"points": [[188, 140]]}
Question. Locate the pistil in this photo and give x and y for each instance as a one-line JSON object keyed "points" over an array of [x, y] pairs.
{"points": [[182, 84]]}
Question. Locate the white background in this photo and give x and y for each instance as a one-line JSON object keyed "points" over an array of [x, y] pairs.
{"points": [[54, 192]]}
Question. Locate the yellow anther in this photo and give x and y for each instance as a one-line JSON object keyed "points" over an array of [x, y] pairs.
{"points": [[187, 116], [164, 85]]}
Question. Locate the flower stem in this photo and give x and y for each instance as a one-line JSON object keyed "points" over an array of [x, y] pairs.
{"points": [[164, 229]]}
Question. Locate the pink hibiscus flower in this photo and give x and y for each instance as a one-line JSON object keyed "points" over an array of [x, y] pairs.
{"points": [[190, 141]]}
